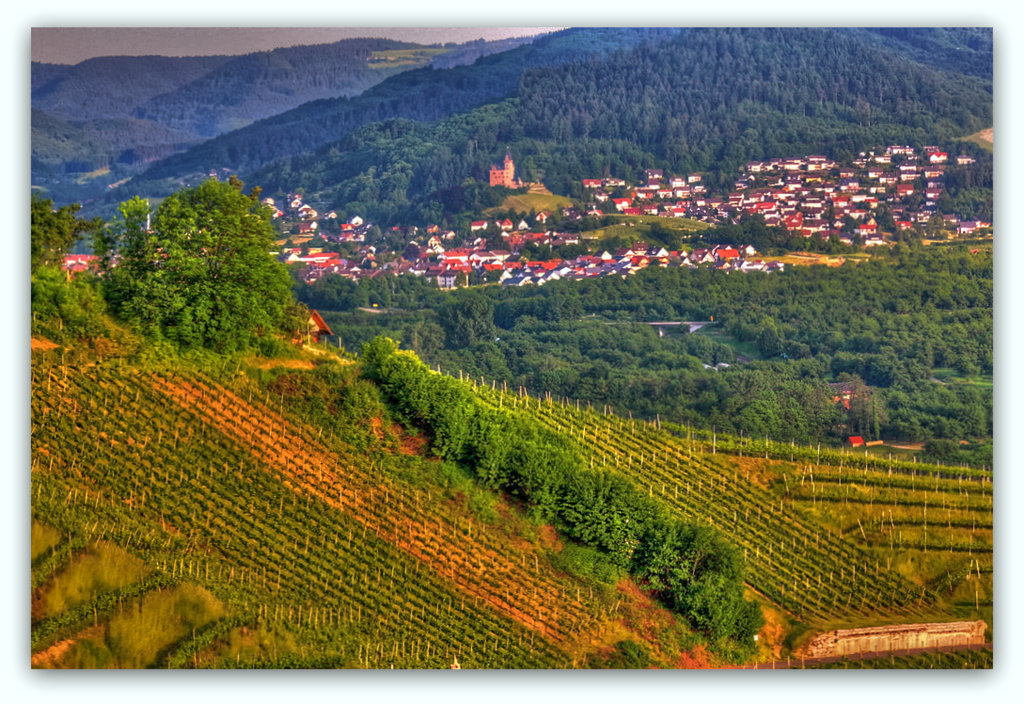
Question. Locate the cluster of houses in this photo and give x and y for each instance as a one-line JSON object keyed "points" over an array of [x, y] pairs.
{"points": [[810, 196], [456, 266], [308, 221], [637, 258]]}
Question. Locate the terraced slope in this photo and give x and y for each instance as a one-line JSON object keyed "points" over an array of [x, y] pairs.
{"points": [[315, 549]]}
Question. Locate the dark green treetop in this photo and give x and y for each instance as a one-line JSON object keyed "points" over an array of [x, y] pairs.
{"points": [[198, 270]]}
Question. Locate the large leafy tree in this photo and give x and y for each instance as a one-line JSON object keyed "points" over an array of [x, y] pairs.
{"points": [[197, 271]]}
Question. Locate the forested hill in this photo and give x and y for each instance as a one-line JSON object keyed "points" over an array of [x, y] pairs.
{"points": [[728, 95], [263, 84], [961, 49], [112, 86], [705, 99], [421, 94], [164, 105]]}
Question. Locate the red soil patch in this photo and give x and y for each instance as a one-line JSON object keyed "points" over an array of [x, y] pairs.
{"points": [[51, 656], [549, 538], [758, 470], [37, 604], [410, 444], [41, 344], [696, 659], [642, 613], [772, 632]]}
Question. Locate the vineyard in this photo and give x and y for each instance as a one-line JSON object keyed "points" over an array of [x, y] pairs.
{"points": [[831, 538], [273, 531], [306, 551]]}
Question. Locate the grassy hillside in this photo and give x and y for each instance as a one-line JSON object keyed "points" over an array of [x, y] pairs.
{"points": [[983, 139], [531, 202]]}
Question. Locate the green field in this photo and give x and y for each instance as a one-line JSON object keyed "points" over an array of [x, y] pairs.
{"points": [[745, 350], [948, 375], [532, 202], [983, 139]]}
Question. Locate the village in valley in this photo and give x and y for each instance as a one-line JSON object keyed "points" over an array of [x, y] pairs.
{"points": [[868, 202]]}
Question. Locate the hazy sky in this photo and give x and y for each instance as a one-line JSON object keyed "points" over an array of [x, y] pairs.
{"points": [[70, 45]]}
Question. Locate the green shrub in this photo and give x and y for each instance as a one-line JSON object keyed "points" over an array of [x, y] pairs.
{"points": [[586, 562], [628, 655]]}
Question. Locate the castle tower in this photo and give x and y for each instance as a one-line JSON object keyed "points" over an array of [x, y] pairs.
{"points": [[504, 176]]}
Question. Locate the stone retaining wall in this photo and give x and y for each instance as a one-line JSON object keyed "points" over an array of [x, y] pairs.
{"points": [[882, 639]]}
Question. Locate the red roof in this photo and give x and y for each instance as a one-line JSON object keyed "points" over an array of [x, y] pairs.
{"points": [[322, 326], [855, 440]]}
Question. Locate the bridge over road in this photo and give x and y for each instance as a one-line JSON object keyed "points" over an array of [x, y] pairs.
{"points": [[662, 325], [692, 325]]}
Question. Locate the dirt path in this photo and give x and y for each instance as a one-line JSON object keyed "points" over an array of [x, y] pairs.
{"points": [[50, 656]]}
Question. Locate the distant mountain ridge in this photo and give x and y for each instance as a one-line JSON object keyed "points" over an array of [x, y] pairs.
{"points": [[422, 94], [191, 99], [112, 86]]}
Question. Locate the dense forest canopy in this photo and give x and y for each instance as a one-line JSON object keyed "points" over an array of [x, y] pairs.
{"points": [[196, 272]]}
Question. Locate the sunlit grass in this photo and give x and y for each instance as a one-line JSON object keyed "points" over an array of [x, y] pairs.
{"points": [[403, 57], [91, 175], [103, 568], [43, 538], [536, 202], [143, 629], [983, 139], [248, 645]]}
